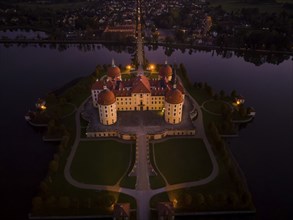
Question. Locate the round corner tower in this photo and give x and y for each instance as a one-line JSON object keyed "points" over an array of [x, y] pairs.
{"points": [[107, 107], [174, 106]]}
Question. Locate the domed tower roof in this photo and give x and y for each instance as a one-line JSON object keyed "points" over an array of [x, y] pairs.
{"points": [[165, 70], [113, 71], [174, 96], [106, 97]]}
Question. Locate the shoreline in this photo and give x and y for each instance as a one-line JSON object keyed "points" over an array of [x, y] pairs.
{"points": [[173, 45]]}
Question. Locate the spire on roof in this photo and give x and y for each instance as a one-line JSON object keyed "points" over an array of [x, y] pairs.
{"points": [[113, 62], [166, 61]]}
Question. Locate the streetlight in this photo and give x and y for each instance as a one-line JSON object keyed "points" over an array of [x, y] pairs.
{"points": [[151, 67], [128, 67]]}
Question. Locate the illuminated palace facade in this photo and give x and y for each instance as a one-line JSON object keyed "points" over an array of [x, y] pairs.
{"points": [[111, 94]]}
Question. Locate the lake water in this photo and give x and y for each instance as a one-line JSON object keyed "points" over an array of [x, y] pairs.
{"points": [[263, 150]]}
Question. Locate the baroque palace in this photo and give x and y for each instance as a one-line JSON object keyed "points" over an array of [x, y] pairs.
{"points": [[111, 94]]}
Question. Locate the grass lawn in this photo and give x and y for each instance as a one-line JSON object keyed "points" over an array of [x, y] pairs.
{"points": [[129, 181], [200, 95], [100, 162], [155, 181], [83, 122], [183, 160], [218, 190], [67, 109], [215, 106], [216, 194], [90, 201]]}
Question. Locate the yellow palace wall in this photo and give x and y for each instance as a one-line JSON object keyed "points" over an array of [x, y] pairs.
{"points": [[140, 101]]}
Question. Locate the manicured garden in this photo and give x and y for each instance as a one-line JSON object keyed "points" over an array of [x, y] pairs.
{"points": [[156, 181], [129, 181], [183, 160], [100, 162], [227, 192]]}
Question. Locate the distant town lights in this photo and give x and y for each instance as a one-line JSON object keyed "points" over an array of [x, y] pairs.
{"points": [[128, 67]]}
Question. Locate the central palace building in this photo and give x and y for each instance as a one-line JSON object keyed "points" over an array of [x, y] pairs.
{"points": [[111, 94]]}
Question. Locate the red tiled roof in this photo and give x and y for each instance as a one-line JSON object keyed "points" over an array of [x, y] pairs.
{"points": [[123, 92], [158, 91], [179, 86], [98, 85], [141, 84], [110, 84]]}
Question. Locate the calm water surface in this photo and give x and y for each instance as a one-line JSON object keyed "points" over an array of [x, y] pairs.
{"points": [[263, 150]]}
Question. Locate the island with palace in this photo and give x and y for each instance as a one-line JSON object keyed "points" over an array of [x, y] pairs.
{"points": [[141, 142]]}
